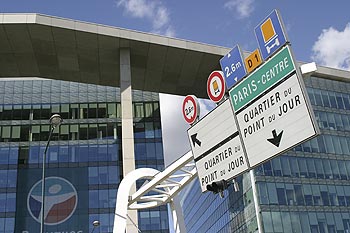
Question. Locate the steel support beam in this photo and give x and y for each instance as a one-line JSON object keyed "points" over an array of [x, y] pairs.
{"points": [[160, 190]]}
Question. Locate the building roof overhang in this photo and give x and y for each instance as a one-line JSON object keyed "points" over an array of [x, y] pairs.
{"points": [[35, 45]]}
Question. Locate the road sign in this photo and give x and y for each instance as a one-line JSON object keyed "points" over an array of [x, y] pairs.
{"points": [[216, 86], [253, 61], [233, 67], [272, 111], [190, 109], [217, 147], [270, 35]]}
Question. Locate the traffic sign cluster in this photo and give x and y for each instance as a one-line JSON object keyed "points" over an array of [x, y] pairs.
{"points": [[267, 113]]}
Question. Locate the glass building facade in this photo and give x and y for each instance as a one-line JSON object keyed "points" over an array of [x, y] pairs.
{"points": [[305, 190], [83, 166]]}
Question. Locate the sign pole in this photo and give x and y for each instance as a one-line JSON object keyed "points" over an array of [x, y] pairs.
{"points": [[256, 202]]}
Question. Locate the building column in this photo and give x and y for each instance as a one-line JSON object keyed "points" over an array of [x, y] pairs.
{"points": [[127, 129]]}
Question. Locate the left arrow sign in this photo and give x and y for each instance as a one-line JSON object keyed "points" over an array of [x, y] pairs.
{"points": [[195, 140]]}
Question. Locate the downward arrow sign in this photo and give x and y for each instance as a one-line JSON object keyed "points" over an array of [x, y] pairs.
{"points": [[276, 138], [195, 140]]}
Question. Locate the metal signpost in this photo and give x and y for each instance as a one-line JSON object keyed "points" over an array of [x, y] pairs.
{"points": [[217, 147], [267, 114]]}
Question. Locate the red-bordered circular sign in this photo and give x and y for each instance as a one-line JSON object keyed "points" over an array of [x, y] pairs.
{"points": [[216, 86], [190, 109]]}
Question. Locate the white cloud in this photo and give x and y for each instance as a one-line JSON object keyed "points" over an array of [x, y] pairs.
{"points": [[161, 17], [205, 106], [137, 8], [333, 48], [174, 127], [242, 7], [170, 32], [152, 10]]}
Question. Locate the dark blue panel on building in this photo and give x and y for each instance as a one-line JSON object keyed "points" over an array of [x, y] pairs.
{"points": [[66, 200]]}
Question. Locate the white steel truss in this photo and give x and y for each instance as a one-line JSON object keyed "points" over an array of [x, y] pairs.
{"points": [[160, 189]]}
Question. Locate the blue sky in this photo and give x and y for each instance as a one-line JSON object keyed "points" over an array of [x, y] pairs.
{"points": [[318, 30], [221, 22]]}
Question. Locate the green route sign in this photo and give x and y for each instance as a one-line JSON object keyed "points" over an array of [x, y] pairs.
{"points": [[262, 79]]}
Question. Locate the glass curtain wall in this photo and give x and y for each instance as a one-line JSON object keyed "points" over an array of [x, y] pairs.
{"points": [[305, 190], [83, 160]]}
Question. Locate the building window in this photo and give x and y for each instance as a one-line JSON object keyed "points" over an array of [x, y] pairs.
{"points": [[92, 112], [64, 132], [74, 111], [23, 155], [73, 132], [112, 111], [44, 133], [64, 111], [92, 131], [139, 110], [6, 134], [84, 111], [102, 131], [4, 152], [83, 131], [16, 133], [7, 112], [102, 110]]}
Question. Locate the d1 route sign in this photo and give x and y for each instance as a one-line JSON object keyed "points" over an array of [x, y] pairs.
{"points": [[217, 147], [190, 109], [272, 109], [253, 61], [216, 87]]}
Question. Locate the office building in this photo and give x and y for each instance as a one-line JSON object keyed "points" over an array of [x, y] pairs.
{"points": [[83, 159], [109, 128], [304, 190]]}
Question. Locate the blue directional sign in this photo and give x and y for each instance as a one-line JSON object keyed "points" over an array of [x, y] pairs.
{"points": [[270, 35], [232, 65]]}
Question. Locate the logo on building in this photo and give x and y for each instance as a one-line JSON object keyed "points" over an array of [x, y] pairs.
{"points": [[61, 200]]}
